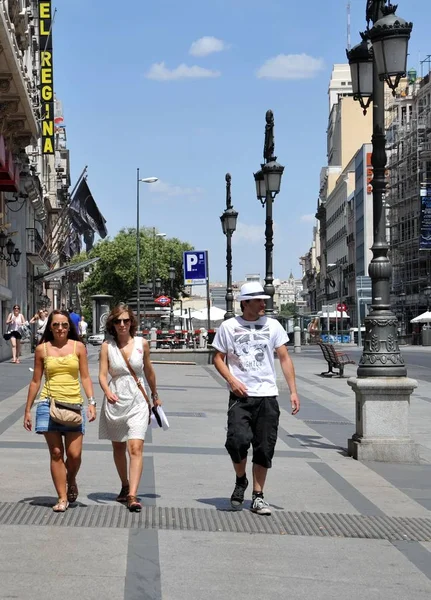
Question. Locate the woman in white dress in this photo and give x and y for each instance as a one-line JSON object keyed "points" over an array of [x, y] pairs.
{"points": [[14, 323], [125, 413]]}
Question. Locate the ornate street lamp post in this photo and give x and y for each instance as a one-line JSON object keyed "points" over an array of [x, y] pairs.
{"points": [[382, 388], [171, 282], [228, 221], [381, 57], [268, 182], [13, 254]]}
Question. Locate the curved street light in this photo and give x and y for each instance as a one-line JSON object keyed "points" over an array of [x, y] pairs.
{"points": [[138, 245]]}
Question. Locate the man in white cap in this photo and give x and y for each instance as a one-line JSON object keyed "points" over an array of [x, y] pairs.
{"points": [[244, 357]]}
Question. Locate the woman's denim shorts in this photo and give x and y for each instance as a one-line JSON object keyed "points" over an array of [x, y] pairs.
{"points": [[45, 424]]}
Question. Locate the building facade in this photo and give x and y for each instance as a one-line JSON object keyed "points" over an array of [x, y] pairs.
{"points": [[329, 265], [409, 194], [35, 221]]}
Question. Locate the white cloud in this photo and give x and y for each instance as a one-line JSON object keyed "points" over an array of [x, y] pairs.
{"points": [[207, 45], [290, 66], [160, 72], [307, 218], [163, 188], [248, 233]]}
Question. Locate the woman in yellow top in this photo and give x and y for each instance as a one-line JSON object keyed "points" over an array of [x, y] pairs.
{"points": [[63, 359]]}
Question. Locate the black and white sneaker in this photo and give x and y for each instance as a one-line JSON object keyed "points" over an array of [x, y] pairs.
{"points": [[237, 498], [260, 506]]}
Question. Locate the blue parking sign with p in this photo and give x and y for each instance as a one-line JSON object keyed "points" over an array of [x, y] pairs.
{"points": [[195, 267]]}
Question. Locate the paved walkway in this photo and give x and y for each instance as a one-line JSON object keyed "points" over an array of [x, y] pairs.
{"points": [[340, 529]]}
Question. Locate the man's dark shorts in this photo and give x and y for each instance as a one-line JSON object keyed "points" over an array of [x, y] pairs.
{"points": [[252, 421]]}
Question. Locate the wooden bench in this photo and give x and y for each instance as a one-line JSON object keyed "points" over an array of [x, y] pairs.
{"points": [[334, 359]]}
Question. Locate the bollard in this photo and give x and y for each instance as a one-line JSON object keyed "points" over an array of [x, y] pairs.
{"points": [[202, 337], [153, 338], [297, 339]]}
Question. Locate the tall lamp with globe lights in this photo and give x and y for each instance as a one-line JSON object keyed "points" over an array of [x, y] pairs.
{"points": [[228, 221], [382, 388], [268, 183], [380, 58]]}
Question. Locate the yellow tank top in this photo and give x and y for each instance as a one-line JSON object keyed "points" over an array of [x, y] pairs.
{"points": [[62, 378]]}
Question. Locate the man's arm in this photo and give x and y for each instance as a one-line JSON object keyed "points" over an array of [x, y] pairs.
{"points": [[289, 375], [237, 387]]}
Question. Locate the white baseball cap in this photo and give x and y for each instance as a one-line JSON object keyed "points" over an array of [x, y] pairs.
{"points": [[252, 290]]}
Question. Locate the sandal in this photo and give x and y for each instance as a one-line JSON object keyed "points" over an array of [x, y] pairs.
{"points": [[61, 506], [72, 493], [124, 492], [133, 504]]}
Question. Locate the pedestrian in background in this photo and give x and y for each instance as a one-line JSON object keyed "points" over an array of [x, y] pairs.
{"points": [[41, 319], [83, 326], [14, 327], [125, 411], [75, 318], [62, 359], [244, 357]]}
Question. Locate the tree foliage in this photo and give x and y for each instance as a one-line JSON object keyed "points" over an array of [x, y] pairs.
{"points": [[116, 270], [288, 310]]}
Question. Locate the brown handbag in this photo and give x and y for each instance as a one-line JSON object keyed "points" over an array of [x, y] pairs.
{"points": [[138, 383]]}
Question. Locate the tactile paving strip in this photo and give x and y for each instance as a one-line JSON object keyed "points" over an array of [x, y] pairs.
{"points": [[200, 519], [326, 422]]}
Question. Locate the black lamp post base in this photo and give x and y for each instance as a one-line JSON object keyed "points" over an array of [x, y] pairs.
{"points": [[381, 356]]}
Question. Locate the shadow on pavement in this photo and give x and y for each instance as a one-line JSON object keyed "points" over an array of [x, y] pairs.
{"points": [[311, 441]]}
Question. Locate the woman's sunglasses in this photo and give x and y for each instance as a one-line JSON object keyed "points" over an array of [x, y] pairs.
{"points": [[118, 321], [62, 325]]}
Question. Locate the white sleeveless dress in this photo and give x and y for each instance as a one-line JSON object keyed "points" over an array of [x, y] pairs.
{"points": [[127, 419]]}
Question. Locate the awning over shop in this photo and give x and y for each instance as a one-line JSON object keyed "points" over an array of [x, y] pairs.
{"points": [[63, 271]]}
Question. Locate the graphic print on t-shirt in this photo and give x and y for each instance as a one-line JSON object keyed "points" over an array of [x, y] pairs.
{"points": [[250, 344]]}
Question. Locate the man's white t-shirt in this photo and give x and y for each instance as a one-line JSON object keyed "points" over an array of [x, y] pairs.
{"points": [[249, 347]]}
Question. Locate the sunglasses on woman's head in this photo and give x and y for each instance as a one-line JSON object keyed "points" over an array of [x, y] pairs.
{"points": [[62, 325], [118, 321]]}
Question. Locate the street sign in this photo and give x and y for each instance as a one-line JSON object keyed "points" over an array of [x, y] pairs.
{"points": [[54, 284], [341, 307], [195, 267], [162, 301]]}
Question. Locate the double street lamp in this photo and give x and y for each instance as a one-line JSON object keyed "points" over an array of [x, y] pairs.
{"points": [[138, 244], [228, 222], [13, 254], [268, 182], [380, 57]]}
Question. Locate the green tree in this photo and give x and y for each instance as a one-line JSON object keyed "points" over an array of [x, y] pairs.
{"points": [[288, 310], [115, 271]]}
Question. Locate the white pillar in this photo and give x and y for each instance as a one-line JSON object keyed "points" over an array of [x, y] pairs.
{"points": [[297, 339], [382, 416], [153, 338], [202, 337]]}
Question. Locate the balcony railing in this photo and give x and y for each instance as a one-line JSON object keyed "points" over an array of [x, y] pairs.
{"points": [[34, 241]]}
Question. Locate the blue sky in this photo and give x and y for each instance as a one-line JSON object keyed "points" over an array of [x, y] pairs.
{"points": [[140, 88]]}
